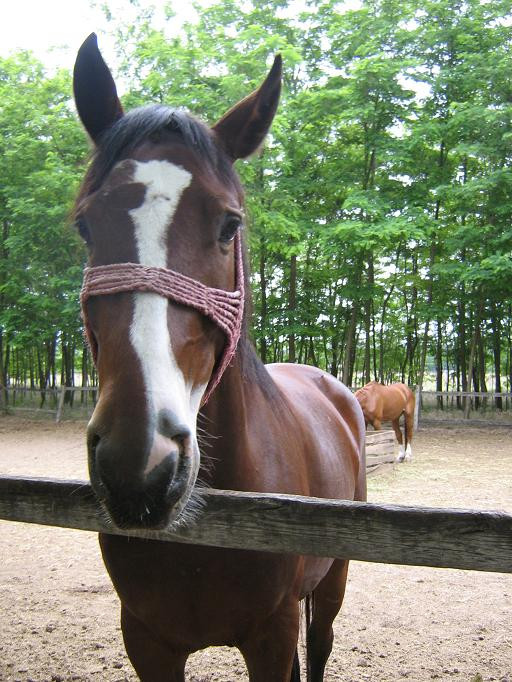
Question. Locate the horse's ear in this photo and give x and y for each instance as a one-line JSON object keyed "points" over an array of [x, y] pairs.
{"points": [[95, 91], [243, 128]]}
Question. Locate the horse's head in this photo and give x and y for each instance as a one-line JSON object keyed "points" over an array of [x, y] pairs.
{"points": [[160, 210]]}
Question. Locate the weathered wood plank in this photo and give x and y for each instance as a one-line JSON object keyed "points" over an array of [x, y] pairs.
{"points": [[373, 437], [449, 538], [379, 468], [380, 449], [373, 442], [379, 459]]}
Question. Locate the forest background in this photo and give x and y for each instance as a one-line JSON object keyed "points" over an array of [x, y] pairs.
{"points": [[379, 209]]}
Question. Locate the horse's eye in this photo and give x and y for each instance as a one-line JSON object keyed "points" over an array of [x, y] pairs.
{"points": [[83, 230], [230, 227]]}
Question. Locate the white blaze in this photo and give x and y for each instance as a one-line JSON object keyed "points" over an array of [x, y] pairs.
{"points": [[149, 333]]}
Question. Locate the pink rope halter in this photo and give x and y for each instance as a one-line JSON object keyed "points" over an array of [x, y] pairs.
{"points": [[225, 308]]}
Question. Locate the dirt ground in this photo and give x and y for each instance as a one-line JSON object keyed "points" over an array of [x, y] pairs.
{"points": [[59, 614]]}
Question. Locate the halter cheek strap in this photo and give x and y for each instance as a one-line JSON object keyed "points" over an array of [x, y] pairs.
{"points": [[225, 308]]}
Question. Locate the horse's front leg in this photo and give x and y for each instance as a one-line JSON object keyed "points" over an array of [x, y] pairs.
{"points": [[152, 659], [269, 652]]}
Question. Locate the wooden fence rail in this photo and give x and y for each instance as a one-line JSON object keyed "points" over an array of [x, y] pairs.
{"points": [[60, 392], [446, 538], [467, 394]]}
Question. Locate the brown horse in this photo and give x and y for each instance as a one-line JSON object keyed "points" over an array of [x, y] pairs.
{"points": [[382, 403], [161, 211]]}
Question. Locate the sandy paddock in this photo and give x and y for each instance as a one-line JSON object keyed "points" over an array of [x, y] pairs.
{"points": [[59, 614]]}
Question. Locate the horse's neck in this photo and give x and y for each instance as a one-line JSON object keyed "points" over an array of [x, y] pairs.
{"points": [[229, 422]]}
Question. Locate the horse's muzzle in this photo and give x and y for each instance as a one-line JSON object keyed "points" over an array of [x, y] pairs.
{"points": [[133, 498]]}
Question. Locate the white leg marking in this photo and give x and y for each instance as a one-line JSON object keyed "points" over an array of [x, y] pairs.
{"points": [[408, 452], [149, 333]]}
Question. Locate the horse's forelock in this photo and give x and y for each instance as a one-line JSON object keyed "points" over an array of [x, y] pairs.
{"points": [[142, 123]]}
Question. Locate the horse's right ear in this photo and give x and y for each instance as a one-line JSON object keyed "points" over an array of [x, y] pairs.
{"points": [[95, 91]]}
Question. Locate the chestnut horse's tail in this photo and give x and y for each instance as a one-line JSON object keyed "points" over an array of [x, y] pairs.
{"points": [[407, 434], [409, 420]]}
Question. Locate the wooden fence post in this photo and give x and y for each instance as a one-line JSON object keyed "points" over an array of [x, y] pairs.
{"points": [[61, 403]]}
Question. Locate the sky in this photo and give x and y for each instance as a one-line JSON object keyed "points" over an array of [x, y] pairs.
{"points": [[54, 29]]}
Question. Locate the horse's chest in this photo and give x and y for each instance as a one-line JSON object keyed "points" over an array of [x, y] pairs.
{"points": [[198, 596]]}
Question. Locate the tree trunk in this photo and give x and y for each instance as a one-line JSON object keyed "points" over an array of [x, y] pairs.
{"points": [[381, 333], [348, 358], [263, 311], [43, 377], [461, 355], [3, 378], [368, 321], [412, 335], [333, 369], [424, 346], [350, 338], [367, 341], [496, 351], [32, 370], [481, 367], [439, 363], [292, 306], [51, 348], [4, 340], [312, 359], [472, 354]]}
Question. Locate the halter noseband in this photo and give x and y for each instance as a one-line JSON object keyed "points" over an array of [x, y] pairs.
{"points": [[225, 308]]}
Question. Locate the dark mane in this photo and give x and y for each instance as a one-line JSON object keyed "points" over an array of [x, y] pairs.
{"points": [[124, 137]]}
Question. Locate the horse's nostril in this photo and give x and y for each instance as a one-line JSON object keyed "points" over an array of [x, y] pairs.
{"points": [[100, 469], [92, 441], [169, 425]]}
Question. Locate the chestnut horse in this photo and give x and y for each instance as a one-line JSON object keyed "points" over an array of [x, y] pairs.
{"points": [[161, 211], [382, 403]]}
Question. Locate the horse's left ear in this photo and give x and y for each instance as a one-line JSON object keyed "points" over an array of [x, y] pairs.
{"points": [[95, 91], [243, 128]]}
